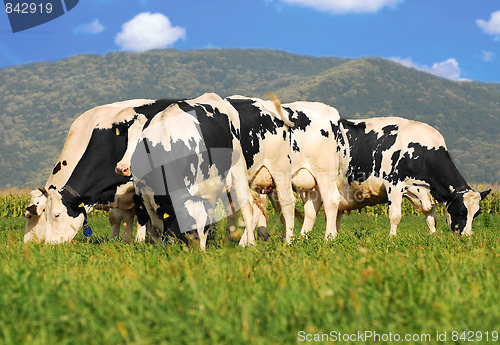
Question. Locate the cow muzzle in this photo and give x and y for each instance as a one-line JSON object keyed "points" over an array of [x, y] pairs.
{"points": [[123, 170]]}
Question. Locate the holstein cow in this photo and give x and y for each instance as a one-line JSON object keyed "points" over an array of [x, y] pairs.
{"points": [[186, 159], [265, 141], [391, 158], [79, 136], [265, 145], [316, 156], [88, 161]]}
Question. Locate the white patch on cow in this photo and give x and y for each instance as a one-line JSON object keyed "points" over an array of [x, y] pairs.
{"points": [[303, 179], [36, 222], [471, 202]]}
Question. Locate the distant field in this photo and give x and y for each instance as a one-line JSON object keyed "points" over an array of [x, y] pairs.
{"points": [[101, 292]]}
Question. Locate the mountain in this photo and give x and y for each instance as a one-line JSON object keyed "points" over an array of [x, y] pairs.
{"points": [[40, 101]]}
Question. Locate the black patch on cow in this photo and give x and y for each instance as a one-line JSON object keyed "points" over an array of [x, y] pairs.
{"points": [[52, 187], [458, 212], [366, 149], [94, 177], [324, 133], [64, 163], [32, 210], [295, 146], [57, 168], [254, 126], [217, 134], [150, 110], [301, 122]]}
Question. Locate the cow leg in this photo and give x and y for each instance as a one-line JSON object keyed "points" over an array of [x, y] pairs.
{"points": [[339, 218], [231, 217], [140, 236], [115, 219], [128, 225], [395, 198], [286, 200], [430, 219], [331, 200], [197, 210], [248, 237], [312, 203], [244, 197]]}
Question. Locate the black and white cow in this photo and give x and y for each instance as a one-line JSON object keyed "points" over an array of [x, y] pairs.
{"points": [[317, 154], [187, 158], [96, 141], [76, 143], [264, 141], [391, 158]]}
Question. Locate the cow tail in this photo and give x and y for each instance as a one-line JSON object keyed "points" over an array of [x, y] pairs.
{"points": [[258, 202], [277, 104]]}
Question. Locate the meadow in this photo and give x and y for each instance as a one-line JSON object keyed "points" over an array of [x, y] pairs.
{"points": [[97, 291]]}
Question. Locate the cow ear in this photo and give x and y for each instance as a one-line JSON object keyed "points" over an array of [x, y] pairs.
{"points": [[485, 194]]}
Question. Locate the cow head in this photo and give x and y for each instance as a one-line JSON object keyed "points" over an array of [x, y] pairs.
{"points": [[64, 217], [461, 209], [35, 216]]}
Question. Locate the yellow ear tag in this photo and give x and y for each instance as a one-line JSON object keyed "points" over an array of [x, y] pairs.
{"points": [[117, 131], [166, 215], [81, 205]]}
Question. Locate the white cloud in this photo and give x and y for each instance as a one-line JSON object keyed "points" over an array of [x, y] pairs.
{"points": [[148, 31], [491, 27], [346, 6], [93, 28], [487, 56], [447, 69]]}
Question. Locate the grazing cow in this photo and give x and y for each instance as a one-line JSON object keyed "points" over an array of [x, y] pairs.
{"points": [[94, 145], [391, 158], [317, 152], [317, 156], [79, 135], [186, 159], [265, 145]]}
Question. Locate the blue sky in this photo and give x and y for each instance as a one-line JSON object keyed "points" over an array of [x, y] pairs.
{"points": [[455, 39]]}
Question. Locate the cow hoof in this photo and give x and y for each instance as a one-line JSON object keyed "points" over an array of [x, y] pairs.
{"points": [[330, 237], [122, 170]]}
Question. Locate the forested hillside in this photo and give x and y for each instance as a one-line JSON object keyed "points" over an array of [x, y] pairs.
{"points": [[40, 101]]}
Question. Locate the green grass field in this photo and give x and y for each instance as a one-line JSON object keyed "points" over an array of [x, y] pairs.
{"points": [[94, 291]]}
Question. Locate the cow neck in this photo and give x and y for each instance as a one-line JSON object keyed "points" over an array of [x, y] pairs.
{"points": [[446, 176], [87, 230]]}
